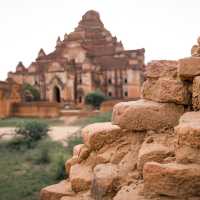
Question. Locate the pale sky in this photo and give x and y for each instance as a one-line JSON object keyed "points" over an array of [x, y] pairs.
{"points": [[167, 29]]}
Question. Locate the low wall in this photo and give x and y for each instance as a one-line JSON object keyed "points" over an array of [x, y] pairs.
{"points": [[36, 109], [78, 113], [5, 108]]}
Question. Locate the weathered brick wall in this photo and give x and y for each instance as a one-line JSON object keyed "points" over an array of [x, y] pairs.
{"points": [[5, 108], [9, 94], [36, 109]]}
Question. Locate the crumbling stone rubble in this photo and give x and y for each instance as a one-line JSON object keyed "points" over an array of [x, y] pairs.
{"points": [[150, 150]]}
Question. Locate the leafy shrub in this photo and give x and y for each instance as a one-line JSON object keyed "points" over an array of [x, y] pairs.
{"points": [[30, 93], [17, 143], [60, 172], [95, 99], [32, 130]]}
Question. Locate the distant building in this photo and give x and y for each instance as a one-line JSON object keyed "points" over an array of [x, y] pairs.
{"points": [[87, 59]]}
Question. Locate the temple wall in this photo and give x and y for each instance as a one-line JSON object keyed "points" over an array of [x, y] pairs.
{"points": [[69, 89], [85, 85], [5, 108], [23, 78], [75, 53], [30, 79], [18, 78], [9, 94], [49, 77], [133, 86]]}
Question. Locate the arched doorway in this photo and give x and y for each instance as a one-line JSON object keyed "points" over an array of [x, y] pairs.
{"points": [[56, 94]]}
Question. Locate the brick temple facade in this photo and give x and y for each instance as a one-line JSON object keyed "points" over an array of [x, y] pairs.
{"points": [[87, 59]]}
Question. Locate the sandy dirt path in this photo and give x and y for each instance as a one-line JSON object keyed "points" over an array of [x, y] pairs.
{"points": [[62, 134], [56, 133]]}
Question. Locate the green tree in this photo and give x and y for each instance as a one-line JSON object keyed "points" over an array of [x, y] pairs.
{"points": [[30, 93], [95, 98]]}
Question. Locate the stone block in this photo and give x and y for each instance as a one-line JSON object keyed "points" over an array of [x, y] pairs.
{"points": [[70, 162], [81, 151], [98, 134], [188, 68], [166, 91], [77, 149], [79, 196], [145, 115], [188, 134], [161, 68], [196, 93], [175, 180], [188, 143], [190, 117], [105, 178], [152, 152], [55, 192], [80, 177], [130, 192]]}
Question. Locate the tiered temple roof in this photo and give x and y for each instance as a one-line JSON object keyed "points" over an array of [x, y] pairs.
{"points": [[91, 36]]}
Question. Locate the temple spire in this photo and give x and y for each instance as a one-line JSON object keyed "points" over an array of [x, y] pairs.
{"points": [[58, 42], [20, 67], [65, 36], [90, 20], [20, 64], [41, 53]]}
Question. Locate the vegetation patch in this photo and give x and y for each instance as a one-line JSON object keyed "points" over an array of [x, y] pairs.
{"points": [[32, 130], [24, 171], [95, 99], [101, 117], [30, 93]]}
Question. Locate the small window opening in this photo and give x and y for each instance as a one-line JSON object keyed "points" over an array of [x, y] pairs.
{"points": [[125, 93], [110, 94], [125, 80]]}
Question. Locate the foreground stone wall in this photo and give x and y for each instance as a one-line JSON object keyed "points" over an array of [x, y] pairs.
{"points": [[150, 149]]}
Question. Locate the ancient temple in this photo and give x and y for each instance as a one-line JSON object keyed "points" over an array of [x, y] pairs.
{"points": [[87, 59]]}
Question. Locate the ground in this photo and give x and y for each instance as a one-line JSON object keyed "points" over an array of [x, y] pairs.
{"points": [[24, 171], [60, 128]]}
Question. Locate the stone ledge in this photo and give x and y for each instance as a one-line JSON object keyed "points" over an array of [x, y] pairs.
{"points": [[174, 180], [166, 90], [188, 68], [143, 115], [55, 192], [98, 134]]}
